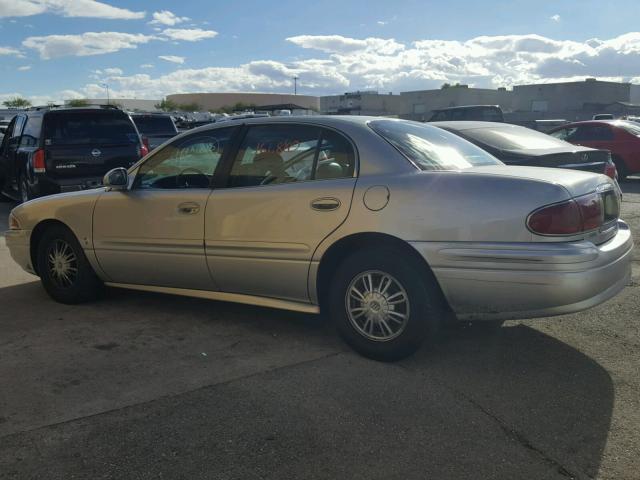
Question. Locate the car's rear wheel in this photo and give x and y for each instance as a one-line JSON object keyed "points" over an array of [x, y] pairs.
{"points": [[621, 168], [64, 269], [23, 188], [384, 305]]}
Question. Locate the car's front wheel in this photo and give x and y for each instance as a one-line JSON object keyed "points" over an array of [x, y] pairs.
{"points": [[64, 269], [384, 305]]}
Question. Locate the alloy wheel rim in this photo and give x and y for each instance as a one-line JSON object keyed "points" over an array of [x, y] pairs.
{"points": [[377, 305], [62, 263]]}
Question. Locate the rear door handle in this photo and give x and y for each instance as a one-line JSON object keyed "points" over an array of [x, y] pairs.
{"points": [[188, 208], [326, 204]]}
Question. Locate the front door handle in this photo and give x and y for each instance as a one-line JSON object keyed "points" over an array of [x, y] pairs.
{"points": [[326, 204], [188, 208]]}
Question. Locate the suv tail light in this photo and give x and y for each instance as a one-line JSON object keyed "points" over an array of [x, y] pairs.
{"points": [[572, 217], [144, 149], [38, 162]]}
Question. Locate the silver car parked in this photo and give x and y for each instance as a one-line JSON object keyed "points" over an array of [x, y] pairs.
{"points": [[389, 226]]}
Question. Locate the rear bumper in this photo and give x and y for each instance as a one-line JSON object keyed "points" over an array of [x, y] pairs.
{"points": [[526, 280]]}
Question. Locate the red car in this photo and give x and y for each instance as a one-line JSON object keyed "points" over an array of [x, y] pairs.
{"points": [[620, 137]]}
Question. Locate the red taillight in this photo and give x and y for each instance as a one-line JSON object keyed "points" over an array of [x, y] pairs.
{"points": [[144, 149], [38, 161], [568, 218], [610, 170], [591, 211]]}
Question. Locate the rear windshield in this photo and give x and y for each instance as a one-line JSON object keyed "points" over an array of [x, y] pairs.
{"points": [[150, 125], [81, 128], [431, 148], [632, 128], [514, 138]]}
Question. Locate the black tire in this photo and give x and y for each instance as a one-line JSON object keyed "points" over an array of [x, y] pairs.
{"points": [[23, 188], [621, 168], [424, 312], [81, 284]]}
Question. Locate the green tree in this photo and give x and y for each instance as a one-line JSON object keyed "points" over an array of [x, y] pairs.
{"points": [[17, 102], [78, 102], [189, 107], [167, 105]]}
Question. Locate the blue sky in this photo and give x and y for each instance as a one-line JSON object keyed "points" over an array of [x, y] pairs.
{"points": [[54, 49]]}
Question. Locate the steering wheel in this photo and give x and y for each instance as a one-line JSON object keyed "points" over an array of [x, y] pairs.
{"points": [[183, 181]]}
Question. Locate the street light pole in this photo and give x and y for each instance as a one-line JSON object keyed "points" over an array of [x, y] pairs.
{"points": [[295, 84], [106, 86]]}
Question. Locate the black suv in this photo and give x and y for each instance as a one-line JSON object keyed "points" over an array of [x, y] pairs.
{"points": [[156, 128], [50, 150]]}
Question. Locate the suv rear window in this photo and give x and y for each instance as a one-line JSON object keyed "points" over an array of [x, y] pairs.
{"points": [[154, 125], [431, 148], [80, 128]]}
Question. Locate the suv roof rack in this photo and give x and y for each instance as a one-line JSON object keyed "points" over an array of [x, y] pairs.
{"points": [[69, 107]]}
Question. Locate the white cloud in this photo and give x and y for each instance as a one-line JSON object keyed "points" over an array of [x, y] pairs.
{"points": [[382, 22], [345, 45], [555, 18], [188, 34], [24, 68], [66, 8], [9, 51], [165, 17], [112, 71], [85, 44], [337, 64], [147, 65], [171, 58]]}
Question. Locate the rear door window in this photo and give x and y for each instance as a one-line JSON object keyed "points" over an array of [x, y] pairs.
{"points": [[31, 133], [274, 154], [592, 133], [89, 128]]}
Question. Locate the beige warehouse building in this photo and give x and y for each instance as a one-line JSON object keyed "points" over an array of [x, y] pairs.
{"points": [[214, 101]]}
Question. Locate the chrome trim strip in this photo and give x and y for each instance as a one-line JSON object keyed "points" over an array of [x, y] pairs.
{"points": [[574, 165], [224, 297]]}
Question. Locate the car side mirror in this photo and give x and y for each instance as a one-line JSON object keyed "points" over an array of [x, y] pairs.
{"points": [[116, 179]]}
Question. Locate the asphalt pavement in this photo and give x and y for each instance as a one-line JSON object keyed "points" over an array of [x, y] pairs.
{"points": [[140, 385]]}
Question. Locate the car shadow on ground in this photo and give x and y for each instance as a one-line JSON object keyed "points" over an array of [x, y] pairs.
{"points": [[539, 395]]}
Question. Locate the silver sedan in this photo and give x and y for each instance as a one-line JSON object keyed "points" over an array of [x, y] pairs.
{"points": [[390, 227]]}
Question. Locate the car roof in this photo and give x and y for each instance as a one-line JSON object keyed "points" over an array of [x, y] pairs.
{"points": [[335, 121], [470, 124]]}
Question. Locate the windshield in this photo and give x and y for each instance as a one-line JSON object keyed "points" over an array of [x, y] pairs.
{"points": [[80, 128], [431, 148], [154, 125], [513, 138]]}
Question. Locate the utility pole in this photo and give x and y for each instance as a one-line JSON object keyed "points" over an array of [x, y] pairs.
{"points": [[295, 84], [106, 86]]}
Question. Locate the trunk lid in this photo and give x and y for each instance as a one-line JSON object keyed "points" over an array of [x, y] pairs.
{"points": [[577, 183], [585, 159]]}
